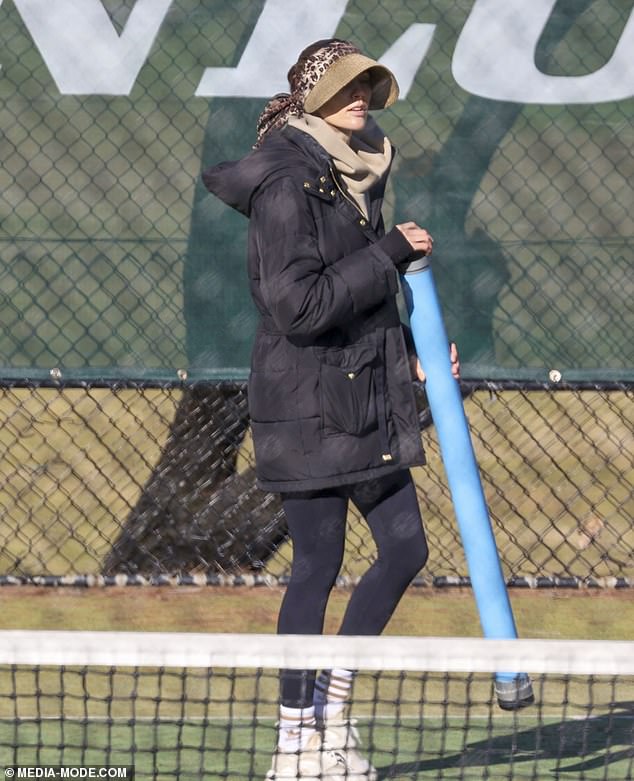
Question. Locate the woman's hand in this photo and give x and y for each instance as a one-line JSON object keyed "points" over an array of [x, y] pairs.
{"points": [[419, 239], [455, 364]]}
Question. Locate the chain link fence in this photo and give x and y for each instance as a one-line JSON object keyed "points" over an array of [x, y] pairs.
{"points": [[132, 484], [125, 319]]}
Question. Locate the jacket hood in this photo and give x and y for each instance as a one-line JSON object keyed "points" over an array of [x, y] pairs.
{"points": [[283, 153]]}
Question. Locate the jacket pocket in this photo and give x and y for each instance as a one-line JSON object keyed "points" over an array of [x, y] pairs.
{"points": [[347, 386]]}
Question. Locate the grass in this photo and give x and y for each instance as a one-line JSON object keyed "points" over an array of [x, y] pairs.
{"points": [[556, 469], [605, 614]]}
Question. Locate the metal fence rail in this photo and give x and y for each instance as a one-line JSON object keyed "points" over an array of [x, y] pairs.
{"points": [[154, 482]]}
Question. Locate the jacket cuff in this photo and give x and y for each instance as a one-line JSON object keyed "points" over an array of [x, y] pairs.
{"points": [[396, 246]]}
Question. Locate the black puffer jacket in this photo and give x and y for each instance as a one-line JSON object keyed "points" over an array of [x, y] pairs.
{"points": [[330, 390]]}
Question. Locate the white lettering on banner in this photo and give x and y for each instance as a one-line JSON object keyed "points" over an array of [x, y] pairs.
{"points": [[82, 49], [405, 56], [494, 55], [283, 29], [262, 69], [495, 58]]}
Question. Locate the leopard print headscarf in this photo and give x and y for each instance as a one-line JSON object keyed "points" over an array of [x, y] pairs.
{"points": [[302, 77]]}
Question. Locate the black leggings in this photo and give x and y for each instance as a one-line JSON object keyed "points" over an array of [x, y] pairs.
{"points": [[317, 526]]}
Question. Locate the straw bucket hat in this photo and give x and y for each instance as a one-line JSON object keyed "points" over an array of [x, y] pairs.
{"points": [[322, 69], [344, 70]]}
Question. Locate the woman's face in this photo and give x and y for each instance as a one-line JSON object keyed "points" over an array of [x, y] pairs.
{"points": [[348, 109]]}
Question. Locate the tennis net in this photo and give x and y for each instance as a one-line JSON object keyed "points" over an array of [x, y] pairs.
{"points": [[204, 706]]}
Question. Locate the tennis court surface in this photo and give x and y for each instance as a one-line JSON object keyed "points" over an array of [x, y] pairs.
{"points": [[203, 706]]}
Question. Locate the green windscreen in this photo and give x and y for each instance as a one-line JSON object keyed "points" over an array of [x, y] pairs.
{"points": [[116, 263]]}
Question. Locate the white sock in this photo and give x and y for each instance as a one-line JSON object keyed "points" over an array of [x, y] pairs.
{"points": [[332, 693], [297, 726]]}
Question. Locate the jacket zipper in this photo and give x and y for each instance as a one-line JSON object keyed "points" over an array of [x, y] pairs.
{"points": [[386, 456], [345, 194]]}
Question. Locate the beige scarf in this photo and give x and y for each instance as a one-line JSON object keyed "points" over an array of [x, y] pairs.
{"points": [[360, 163]]}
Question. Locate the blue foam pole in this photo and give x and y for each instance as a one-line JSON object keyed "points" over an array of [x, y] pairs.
{"points": [[463, 477]]}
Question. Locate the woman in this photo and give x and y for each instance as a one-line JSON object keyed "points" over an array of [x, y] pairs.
{"points": [[331, 400]]}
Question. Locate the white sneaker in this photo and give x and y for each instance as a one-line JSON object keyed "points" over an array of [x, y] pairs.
{"points": [[313, 763], [342, 738]]}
